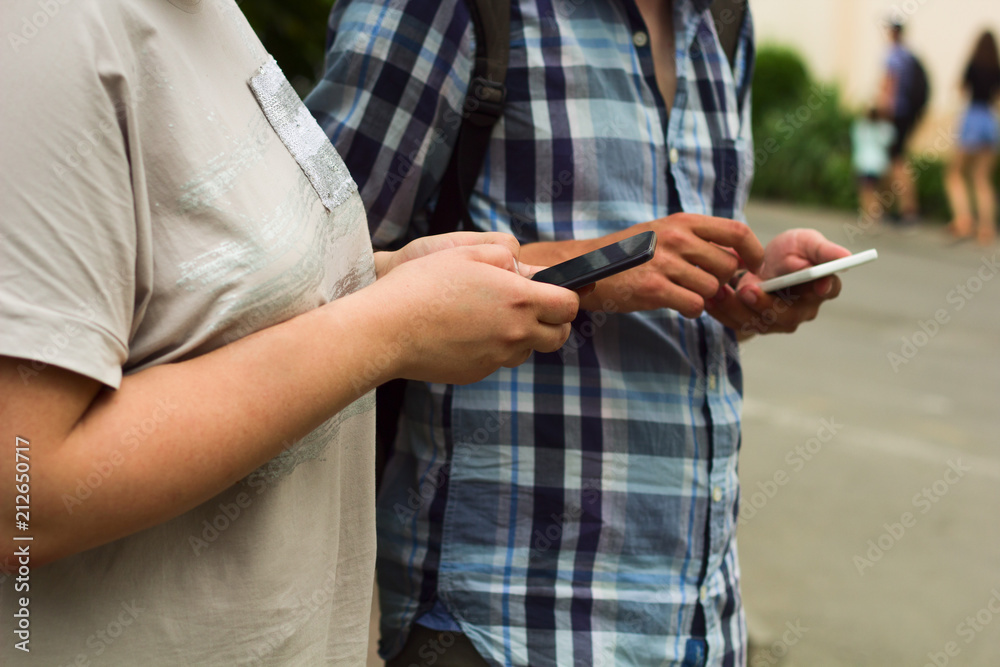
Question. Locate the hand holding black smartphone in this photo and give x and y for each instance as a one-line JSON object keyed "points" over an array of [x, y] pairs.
{"points": [[601, 263]]}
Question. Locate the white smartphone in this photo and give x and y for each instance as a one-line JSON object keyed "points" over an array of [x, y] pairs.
{"points": [[818, 271]]}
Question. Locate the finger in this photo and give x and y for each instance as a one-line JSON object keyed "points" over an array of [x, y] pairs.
{"points": [[693, 277], [816, 248], [734, 313], [782, 311], [732, 234], [550, 337], [828, 288], [719, 261], [506, 240], [529, 270], [499, 255], [727, 308], [553, 305], [457, 239]]}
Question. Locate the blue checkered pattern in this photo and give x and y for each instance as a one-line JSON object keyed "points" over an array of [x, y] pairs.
{"points": [[579, 509]]}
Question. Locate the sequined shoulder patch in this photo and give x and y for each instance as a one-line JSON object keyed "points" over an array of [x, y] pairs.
{"points": [[302, 136]]}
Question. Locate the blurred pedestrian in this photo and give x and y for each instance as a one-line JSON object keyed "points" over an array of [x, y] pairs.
{"points": [[977, 145], [903, 98], [871, 137]]}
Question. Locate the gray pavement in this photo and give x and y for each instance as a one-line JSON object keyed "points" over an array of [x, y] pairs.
{"points": [[871, 460]]}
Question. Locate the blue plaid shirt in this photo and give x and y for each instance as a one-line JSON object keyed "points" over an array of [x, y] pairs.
{"points": [[580, 509]]}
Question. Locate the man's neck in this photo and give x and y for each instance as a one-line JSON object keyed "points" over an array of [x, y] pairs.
{"points": [[659, 18]]}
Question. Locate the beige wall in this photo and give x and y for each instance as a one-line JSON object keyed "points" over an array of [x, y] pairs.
{"points": [[844, 41]]}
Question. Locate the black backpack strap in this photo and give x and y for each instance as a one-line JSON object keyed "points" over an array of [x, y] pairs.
{"points": [[480, 112], [728, 16], [483, 106]]}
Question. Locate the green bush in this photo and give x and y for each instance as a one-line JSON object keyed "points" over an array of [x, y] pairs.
{"points": [[928, 174], [294, 32], [801, 135], [780, 80]]}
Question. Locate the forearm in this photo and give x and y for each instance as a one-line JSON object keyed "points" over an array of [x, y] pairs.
{"points": [[175, 435]]}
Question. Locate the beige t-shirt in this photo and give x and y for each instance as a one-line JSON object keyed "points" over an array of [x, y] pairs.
{"points": [[163, 193]]}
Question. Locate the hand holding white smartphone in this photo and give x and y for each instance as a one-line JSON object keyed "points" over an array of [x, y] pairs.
{"points": [[819, 271]]}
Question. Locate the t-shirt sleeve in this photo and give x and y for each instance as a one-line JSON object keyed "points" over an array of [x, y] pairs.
{"points": [[68, 232], [390, 100]]}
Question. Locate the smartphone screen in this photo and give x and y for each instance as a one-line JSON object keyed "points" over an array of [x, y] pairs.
{"points": [[601, 263]]}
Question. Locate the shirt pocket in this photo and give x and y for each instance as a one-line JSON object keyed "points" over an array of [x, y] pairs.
{"points": [[302, 136]]}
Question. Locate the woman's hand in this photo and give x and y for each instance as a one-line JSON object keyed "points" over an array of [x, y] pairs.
{"points": [[461, 310], [427, 245]]}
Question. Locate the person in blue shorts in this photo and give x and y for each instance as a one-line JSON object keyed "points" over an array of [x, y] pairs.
{"points": [[979, 136]]}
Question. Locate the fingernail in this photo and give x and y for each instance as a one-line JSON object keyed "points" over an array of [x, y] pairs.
{"points": [[749, 297]]}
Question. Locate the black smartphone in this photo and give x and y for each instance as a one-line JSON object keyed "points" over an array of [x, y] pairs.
{"points": [[601, 263]]}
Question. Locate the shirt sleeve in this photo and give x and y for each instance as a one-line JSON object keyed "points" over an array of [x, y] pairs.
{"points": [[395, 80], [67, 233]]}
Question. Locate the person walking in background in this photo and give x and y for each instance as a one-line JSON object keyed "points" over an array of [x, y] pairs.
{"points": [[903, 98], [979, 136], [871, 137], [582, 509]]}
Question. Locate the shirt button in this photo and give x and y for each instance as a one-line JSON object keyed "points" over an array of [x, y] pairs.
{"points": [[703, 593], [717, 494], [712, 382], [640, 39], [674, 156]]}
